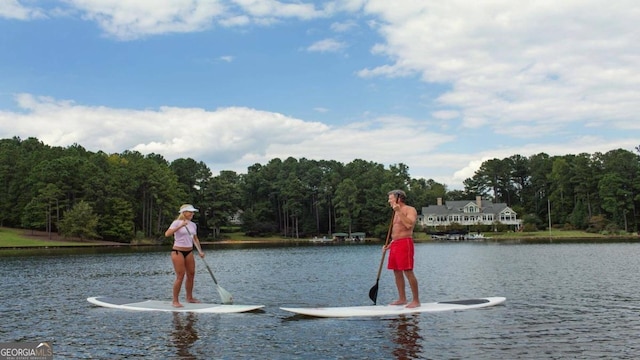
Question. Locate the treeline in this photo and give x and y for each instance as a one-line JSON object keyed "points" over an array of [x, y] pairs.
{"points": [[596, 192], [129, 195]]}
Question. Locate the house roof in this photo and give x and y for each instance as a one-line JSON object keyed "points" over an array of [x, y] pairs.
{"points": [[457, 207]]}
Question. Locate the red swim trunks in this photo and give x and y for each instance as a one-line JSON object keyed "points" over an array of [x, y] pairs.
{"points": [[401, 254]]}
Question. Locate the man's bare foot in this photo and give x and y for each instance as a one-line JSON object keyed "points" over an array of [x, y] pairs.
{"points": [[177, 304], [193, 301], [399, 302], [413, 304]]}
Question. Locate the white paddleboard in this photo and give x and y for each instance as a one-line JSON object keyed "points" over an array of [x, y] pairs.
{"points": [[156, 305], [384, 310]]}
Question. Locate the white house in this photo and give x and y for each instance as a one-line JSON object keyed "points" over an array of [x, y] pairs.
{"points": [[468, 212]]}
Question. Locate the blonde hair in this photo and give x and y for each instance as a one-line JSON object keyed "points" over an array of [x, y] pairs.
{"points": [[181, 213]]}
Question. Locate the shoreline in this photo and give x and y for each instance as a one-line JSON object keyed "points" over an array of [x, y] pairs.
{"points": [[275, 242], [58, 241]]}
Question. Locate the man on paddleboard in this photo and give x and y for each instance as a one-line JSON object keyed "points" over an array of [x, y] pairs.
{"points": [[401, 248]]}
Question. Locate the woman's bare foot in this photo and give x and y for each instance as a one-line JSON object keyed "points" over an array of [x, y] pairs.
{"points": [[413, 304], [399, 302], [193, 301], [177, 304]]}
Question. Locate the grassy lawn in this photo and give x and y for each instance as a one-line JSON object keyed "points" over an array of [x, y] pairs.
{"points": [[240, 236], [10, 238]]}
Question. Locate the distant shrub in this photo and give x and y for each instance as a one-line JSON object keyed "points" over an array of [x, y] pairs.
{"points": [[597, 223]]}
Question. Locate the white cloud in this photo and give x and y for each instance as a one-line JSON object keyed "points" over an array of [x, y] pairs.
{"points": [[219, 137], [326, 45], [12, 9], [509, 62], [344, 26], [445, 114], [235, 20], [278, 9], [385, 70], [128, 20], [230, 138]]}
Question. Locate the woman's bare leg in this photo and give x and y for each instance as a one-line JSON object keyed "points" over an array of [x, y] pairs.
{"points": [[179, 266], [190, 265]]}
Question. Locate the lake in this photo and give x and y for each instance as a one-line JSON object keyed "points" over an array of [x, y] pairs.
{"points": [[574, 300]]}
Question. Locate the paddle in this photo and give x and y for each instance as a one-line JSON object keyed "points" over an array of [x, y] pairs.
{"points": [[225, 296], [373, 292]]}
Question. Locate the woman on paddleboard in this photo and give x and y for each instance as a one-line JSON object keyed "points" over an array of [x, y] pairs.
{"points": [[185, 236], [401, 249]]}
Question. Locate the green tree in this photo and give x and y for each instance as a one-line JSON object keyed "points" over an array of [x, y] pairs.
{"points": [[293, 195], [192, 178], [156, 193], [347, 206], [585, 178], [256, 186], [332, 175], [561, 195], [80, 222], [117, 221], [9, 164], [35, 215], [19, 160], [371, 182], [221, 200], [494, 176], [622, 171], [537, 197]]}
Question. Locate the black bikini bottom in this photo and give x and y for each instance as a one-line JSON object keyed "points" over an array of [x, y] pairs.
{"points": [[184, 253]]}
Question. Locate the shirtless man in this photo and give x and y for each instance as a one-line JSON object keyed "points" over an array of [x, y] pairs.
{"points": [[401, 248]]}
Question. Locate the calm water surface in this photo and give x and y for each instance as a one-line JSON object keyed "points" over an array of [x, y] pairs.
{"points": [[564, 301]]}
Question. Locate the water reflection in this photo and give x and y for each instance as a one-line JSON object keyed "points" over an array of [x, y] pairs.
{"points": [[407, 337], [184, 334]]}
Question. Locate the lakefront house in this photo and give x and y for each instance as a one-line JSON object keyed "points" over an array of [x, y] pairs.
{"points": [[468, 212]]}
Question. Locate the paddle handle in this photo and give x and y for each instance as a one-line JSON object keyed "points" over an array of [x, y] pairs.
{"points": [[210, 272], [386, 243], [203, 260]]}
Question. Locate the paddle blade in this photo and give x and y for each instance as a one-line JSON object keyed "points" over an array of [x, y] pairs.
{"points": [[225, 296], [373, 293]]}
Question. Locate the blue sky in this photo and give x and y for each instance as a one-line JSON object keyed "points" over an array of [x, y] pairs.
{"points": [[439, 85]]}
